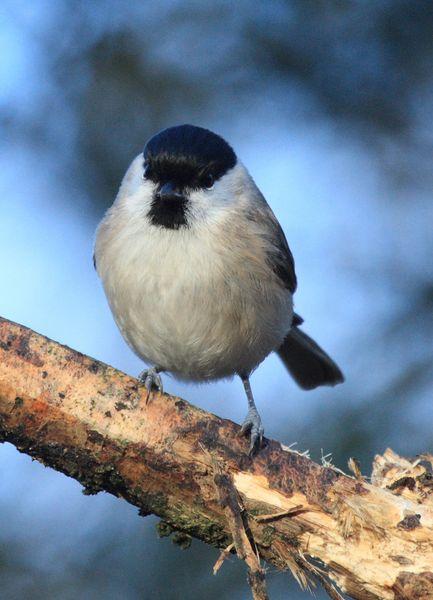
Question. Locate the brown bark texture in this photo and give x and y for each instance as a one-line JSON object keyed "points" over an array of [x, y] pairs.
{"points": [[372, 539]]}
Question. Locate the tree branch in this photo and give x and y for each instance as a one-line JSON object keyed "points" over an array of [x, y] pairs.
{"points": [[91, 422]]}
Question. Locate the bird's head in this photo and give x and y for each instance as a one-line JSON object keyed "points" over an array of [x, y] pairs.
{"points": [[183, 172]]}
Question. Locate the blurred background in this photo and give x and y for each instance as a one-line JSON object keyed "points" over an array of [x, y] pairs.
{"points": [[329, 104]]}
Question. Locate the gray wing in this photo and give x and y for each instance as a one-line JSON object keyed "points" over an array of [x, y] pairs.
{"points": [[282, 259], [279, 256]]}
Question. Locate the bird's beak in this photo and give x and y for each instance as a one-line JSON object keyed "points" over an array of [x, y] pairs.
{"points": [[169, 192]]}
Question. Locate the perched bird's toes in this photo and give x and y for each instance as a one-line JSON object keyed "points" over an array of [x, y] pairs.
{"points": [[151, 380], [256, 440], [253, 427]]}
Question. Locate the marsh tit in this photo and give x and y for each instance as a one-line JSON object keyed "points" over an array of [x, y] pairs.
{"points": [[198, 273]]}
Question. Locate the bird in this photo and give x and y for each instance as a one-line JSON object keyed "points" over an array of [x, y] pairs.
{"points": [[198, 273]]}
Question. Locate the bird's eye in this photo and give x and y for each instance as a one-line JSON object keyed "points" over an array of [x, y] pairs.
{"points": [[208, 181]]}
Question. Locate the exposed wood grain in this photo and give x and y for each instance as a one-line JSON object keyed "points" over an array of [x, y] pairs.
{"points": [[91, 422]]}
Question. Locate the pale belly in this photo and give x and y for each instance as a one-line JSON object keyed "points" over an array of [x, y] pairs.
{"points": [[201, 334], [192, 315]]}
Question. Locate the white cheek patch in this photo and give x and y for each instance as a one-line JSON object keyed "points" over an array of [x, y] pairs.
{"points": [[135, 194], [139, 202], [228, 193]]}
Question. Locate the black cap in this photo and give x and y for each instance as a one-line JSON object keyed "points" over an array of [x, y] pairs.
{"points": [[185, 153]]}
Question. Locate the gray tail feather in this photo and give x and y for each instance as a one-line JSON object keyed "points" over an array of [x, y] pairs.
{"points": [[308, 364]]}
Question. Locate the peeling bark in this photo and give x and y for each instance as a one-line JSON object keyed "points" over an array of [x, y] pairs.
{"points": [[91, 422]]}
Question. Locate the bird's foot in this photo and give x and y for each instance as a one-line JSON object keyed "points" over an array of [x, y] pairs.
{"points": [[151, 380], [253, 427]]}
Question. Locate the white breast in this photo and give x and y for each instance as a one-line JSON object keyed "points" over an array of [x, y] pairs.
{"points": [[200, 302]]}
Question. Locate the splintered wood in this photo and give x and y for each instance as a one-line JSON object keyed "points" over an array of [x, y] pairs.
{"points": [[371, 540]]}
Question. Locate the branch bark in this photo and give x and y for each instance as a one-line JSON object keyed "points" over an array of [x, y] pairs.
{"points": [[167, 457]]}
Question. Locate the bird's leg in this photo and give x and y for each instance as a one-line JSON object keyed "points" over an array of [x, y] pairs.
{"points": [[252, 424], [151, 379]]}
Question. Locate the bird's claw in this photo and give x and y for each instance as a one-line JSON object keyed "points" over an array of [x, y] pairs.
{"points": [[253, 427], [151, 380]]}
